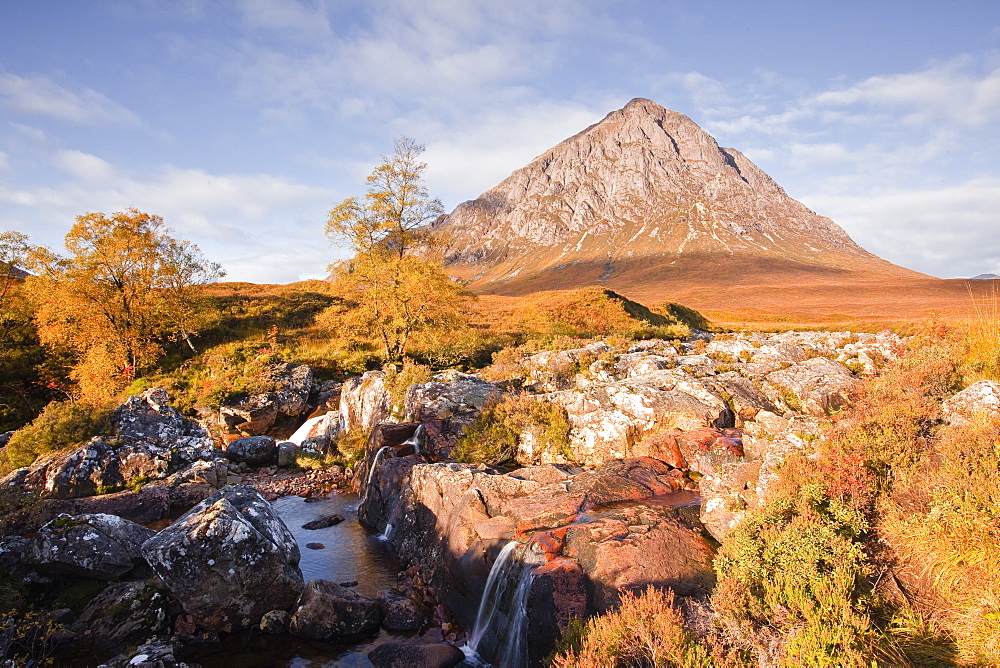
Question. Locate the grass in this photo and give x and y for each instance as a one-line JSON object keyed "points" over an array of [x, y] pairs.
{"points": [[496, 435]]}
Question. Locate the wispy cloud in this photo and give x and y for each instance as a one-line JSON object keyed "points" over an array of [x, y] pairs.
{"points": [[39, 96]]}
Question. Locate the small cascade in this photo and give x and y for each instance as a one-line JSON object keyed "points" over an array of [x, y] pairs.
{"points": [[303, 432], [515, 653], [385, 535], [492, 594], [416, 440], [501, 620], [371, 471]]}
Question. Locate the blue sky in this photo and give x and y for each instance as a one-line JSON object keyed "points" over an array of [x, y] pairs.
{"points": [[243, 122]]}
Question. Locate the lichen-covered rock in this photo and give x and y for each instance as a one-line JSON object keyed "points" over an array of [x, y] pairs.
{"points": [[286, 454], [447, 394], [228, 560], [256, 414], [401, 610], [78, 472], [275, 621], [327, 610], [607, 421], [252, 450], [634, 546], [148, 417], [155, 654], [126, 613], [819, 386], [981, 398], [364, 402], [105, 547]]}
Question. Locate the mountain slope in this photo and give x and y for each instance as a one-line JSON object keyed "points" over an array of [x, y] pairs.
{"points": [[646, 203]]}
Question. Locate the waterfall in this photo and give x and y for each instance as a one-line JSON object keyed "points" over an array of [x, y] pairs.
{"points": [[371, 471], [515, 652], [303, 432], [385, 535], [501, 620], [416, 439], [496, 583]]}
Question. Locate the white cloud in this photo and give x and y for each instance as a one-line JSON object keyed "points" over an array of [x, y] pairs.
{"points": [[467, 160], [37, 95], [951, 91], [947, 232], [284, 15], [84, 166], [230, 216], [4, 162]]}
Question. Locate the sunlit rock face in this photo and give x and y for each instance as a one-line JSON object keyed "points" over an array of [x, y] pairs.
{"points": [[633, 199]]}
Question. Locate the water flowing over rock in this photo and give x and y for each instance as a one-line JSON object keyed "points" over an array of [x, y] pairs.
{"points": [[228, 560], [105, 547]]}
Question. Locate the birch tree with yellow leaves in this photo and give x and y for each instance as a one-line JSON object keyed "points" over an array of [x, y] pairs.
{"points": [[389, 291], [121, 293]]}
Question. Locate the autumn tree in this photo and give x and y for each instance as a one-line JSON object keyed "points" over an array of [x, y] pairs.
{"points": [[389, 291], [123, 290]]}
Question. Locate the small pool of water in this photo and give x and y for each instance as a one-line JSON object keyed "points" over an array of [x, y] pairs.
{"points": [[351, 553]]}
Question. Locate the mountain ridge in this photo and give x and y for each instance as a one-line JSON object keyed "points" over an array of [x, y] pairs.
{"points": [[638, 202]]}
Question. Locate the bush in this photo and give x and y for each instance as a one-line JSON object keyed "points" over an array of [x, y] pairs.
{"points": [[61, 424], [398, 381], [950, 545], [647, 630], [495, 436]]}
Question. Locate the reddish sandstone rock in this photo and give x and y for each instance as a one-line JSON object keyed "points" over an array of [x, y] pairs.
{"points": [[558, 594], [631, 547]]}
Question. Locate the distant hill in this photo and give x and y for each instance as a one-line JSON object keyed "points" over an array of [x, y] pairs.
{"points": [[984, 277], [647, 204]]}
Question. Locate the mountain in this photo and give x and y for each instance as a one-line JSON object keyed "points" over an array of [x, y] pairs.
{"points": [[647, 204]]}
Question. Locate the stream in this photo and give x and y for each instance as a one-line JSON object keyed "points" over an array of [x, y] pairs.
{"points": [[351, 553]]}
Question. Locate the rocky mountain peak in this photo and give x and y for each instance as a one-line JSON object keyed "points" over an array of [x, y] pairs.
{"points": [[644, 183]]}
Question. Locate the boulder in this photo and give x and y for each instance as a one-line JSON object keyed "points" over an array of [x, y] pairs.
{"points": [[323, 522], [631, 547], [447, 394], [819, 385], [257, 414], [148, 504], [416, 655], [104, 547], [126, 613], [149, 418], [286, 454], [980, 398], [609, 420], [364, 402], [327, 610], [228, 560], [401, 610], [252, 450], [153, 654], [275, 622], [78, 472], [12, 551]]}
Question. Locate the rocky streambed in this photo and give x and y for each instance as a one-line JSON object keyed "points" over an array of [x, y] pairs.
{"points": [[669, 446]]}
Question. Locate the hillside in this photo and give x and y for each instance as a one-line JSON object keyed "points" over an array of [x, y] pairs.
{"points": [[647, 204]]}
